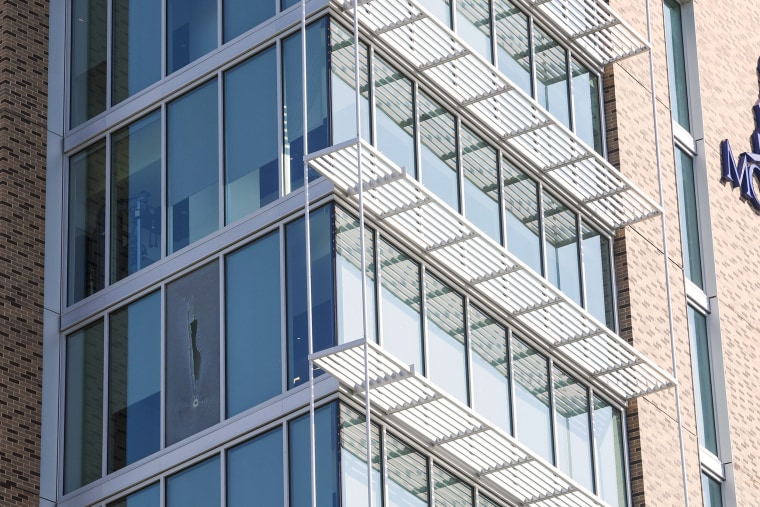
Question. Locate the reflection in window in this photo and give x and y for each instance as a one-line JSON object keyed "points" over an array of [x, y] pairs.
{"points": [[513, 44], [712, 495], [608, 435], [438, 151], [679, 102], [349, 279], [353, 460], [87, 229], [573, 428], [242, 15], [193, 166], [481, 184], [326, 451], [474, 25], [394, 115], [199, 486], [450, 491], [83, 424], [588, 119], [561, 232], [597, 267], [490, 369], [407, 475], [342, 89], [147, 497], [191, 31], [441, 9], [400, 293], [89, 51], [521, 206], [703, 393], [322, 296], [444, 312], [551, 76], [136, 37], [255, 470], [254, 338], [192, 353], [252, 173], [136, 197], [687, 211], [317, 115], [134, 382], [532, 410]]}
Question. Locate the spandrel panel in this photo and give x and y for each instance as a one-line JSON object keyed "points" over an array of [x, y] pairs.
{"points": [[255, 471], [134, 382], [254, 334], [83, 423], [192, 353]]}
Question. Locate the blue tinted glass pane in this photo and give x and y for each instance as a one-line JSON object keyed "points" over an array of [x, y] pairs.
{"points": [[711, 492], [191, 31], [255, 471], [598, 276], [703, 394], [318, 111], [588, 119], [474, 25], [551, 76], [407, 475], [148, 497], [87, 229], [136, 197], [134, 382], [289, 3], [573, 428], [250, 139], [521, 207], [193, 166], [342, 86], [198, 486], [687, 210], [532, 405], [349, 279], [400, 293], [353, 460], [608, 435], [679, 103], [561, 234], [89, 52], [438, 151], [394, 115], [241, 15], [490, 369], [136, 39], [322, 295], [83, 438], [441, 9], [254, 338], [513, 44], [192, 353], [326, 451], [444, 311], [481, 184]]}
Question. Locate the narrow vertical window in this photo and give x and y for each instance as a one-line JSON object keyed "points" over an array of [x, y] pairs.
{"points": [[253, 327], [198, 485], [444, 317], [322, 291], [481, 184], [689, 218], [712, 494], [326, 450], [394, 115], [252, 168], [551, 76], [532, 403], [136, 197], [588, 118], [573, 428], [83, 423], [193, 166], [561, 240], [87, 228], [136, 60], [679, 102], [255, 471], [407, 475], [242, 15], [134, 382], [342, 86], [597, 267], [610, 457], [513, 44], [191, 31], [353, 460], [703, 385], [438, 151], [192, 353], [522, 216], [89, 52]]}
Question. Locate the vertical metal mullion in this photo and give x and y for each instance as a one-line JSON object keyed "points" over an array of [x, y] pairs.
{"points": [[494, 42], [371, 99], [502, 200], [430, 462], [108, 215], [569, 91], [553, 414], [284, 165], [219, 29], [104, 408], [285, 461], [162, 368], [581, 259], [511, 385], [541, 230], [379, 290], [416, 132], [109, 54], [532, 52], [468, 353], [424, 367], [164, 36], [453, 15], [162, 491], [602, 113], [383, 465], [626, 456], [594, 457], [164, 181], [223, 475], [613, 285], [221, 213], [223, 338], [285, 384], [459, 163]]}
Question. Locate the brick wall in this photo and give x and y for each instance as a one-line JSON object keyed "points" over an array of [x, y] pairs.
{"points": [[23, 101]]}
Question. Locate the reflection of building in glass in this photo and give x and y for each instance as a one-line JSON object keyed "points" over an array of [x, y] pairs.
{"points": [[508, 262]]}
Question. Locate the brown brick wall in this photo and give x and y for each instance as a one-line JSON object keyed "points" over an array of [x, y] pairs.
{"points": [[23, 100]]}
